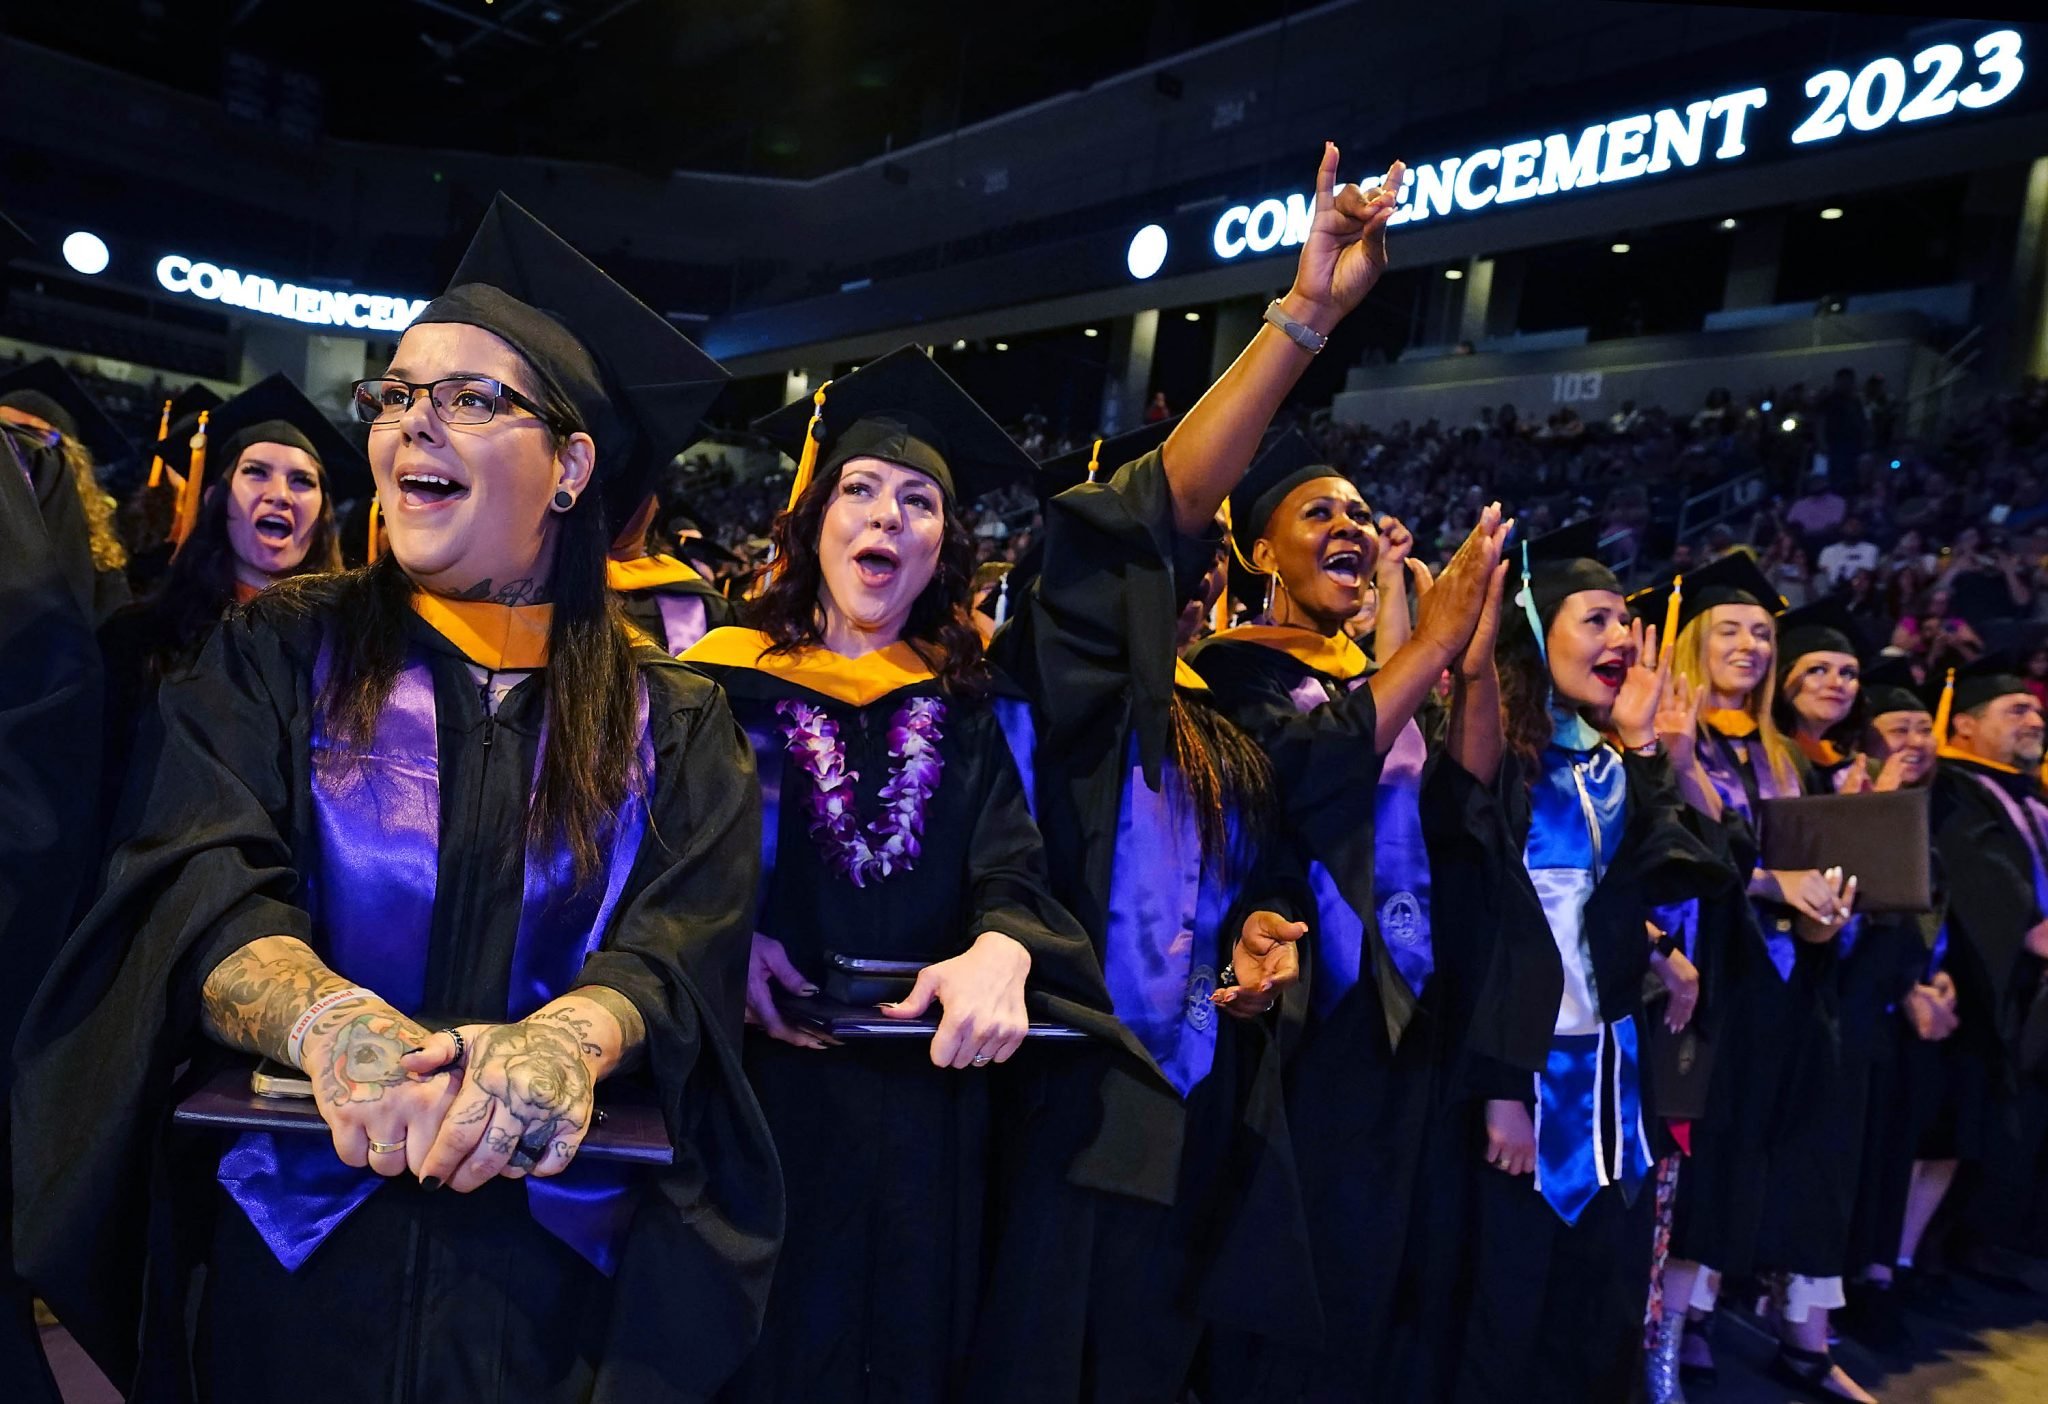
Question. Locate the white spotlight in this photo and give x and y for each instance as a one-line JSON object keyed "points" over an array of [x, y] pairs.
{"points": [[86, 253]]}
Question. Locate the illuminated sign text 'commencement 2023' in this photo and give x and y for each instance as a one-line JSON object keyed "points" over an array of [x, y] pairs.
{"points": [[1884, 93]]}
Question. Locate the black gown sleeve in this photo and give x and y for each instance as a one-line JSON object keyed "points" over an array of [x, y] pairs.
{"points": [[1105, 607], [1991, 901], [678, 947], [207, 869]]}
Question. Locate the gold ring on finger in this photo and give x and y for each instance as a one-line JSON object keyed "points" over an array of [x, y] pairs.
{"points": [[386, 1147]]}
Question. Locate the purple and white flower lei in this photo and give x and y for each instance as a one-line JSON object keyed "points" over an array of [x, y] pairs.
{"points": [[890, 843]]}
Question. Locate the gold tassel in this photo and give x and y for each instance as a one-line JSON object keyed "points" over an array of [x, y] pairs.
{"points": [[375, 546], [156, 459], [814, 434], [1670, 619], [188, 500], [1219, 617], [1094, 460], [1943, 708]]}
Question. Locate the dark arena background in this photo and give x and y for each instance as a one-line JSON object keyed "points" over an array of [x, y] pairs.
{"points": [[1711, 278]]}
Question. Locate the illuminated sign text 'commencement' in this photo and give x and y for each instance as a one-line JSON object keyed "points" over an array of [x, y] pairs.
{"points": [[315, 306]]}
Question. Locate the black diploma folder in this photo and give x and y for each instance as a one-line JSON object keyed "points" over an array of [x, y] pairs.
{"points": [[1879, 838], [824, 1015], [630, 1131]]}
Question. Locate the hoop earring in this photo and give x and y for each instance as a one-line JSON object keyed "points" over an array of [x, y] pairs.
{"points": [[563, 501]]}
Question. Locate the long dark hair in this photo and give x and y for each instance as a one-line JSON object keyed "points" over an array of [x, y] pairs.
{"points": [[941, 623], [1227, 774], [592, 748], [1524, 697], [200, 584]]}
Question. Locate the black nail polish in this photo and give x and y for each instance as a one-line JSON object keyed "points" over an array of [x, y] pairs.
{"points": [[410, 1051], [431, 1183]]}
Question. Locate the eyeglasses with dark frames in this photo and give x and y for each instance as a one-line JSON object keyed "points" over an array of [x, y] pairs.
{"points": [[457, 399]]}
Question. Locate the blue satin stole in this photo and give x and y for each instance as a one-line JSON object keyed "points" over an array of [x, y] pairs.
{"points": [[1589, 1130]]}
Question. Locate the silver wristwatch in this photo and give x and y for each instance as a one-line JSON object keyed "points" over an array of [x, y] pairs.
{"points": [[1300, 333]]}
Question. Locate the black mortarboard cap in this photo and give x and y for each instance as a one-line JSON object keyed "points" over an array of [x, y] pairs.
{"points": [[1983, 680], [1561, 564], [1731, 579], [640, 386], [275, 411], [901, 408], [1889, 686], [50, 393], [1062, 471], [1285, 462], [1825, 626]]}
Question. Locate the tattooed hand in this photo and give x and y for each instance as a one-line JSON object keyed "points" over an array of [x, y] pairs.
{"points": [[529, 1089], [352, 1052]]}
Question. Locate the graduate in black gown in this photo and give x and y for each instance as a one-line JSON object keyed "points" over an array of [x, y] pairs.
{"points": [[49, 739], [664, 596], [43, 396], [1991, 833], [896, 829], [263, 513], [1817, 706], [1565, 843], [445, 793], [1158, 813], [1763, 1190], [1387, 1004], [1914, 998]]}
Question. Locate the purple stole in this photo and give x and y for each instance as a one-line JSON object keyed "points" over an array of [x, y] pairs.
{"points": [[682, 621], [1166, 905], [2030, 817], [1725, 760], [371, 889], [1400, 883]]}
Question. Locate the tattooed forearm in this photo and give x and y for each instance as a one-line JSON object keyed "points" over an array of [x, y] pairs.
{"points": [[611, 1051], [252, 998], [523, 591]]}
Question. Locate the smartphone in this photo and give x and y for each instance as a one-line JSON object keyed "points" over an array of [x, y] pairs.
{"points": [[883, 969], [274, 1079]]}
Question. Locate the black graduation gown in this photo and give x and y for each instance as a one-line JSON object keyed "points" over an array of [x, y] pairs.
{"points": [[1093, 649], [1770, 1182], [2001, 996], [1375, 1141], [49, 755], [888, 1159], [1892, 956], [66, 534], [414, 1296], [1555, 1311]]}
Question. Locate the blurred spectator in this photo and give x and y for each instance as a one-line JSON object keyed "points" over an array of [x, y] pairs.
{"points": [[1818, 510], [1785, 566], [1844, 426], [1158, 409], [1848, 555]]}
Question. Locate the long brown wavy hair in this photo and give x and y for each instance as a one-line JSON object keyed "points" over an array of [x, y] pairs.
{"points": [[1524, 698], [199, 587], [941, 623], [590, 758], [107, 551]]}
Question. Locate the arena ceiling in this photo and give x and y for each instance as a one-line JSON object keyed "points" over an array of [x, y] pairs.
{"points": [[792, 88]]}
